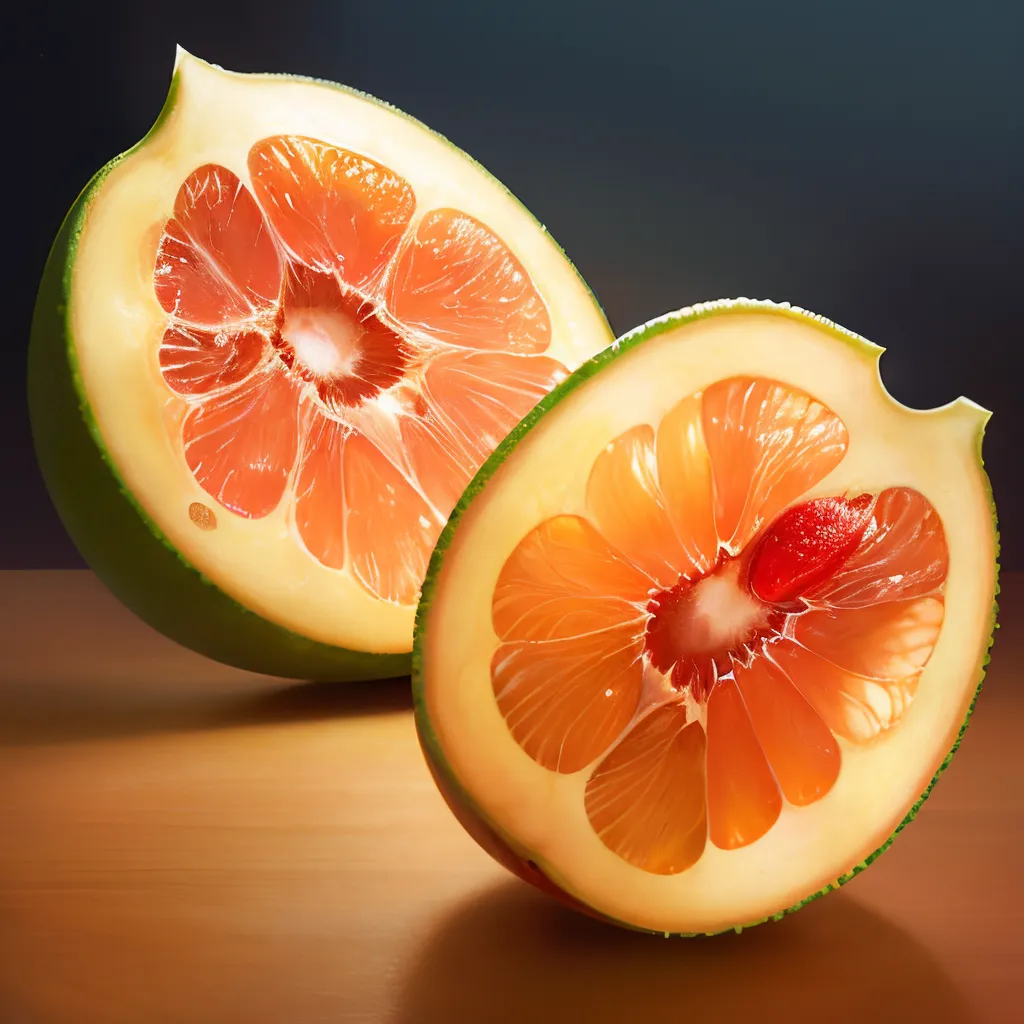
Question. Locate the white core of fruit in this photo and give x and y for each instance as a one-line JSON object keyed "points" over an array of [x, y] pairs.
{"points": [[325, 342], [718, 614]]}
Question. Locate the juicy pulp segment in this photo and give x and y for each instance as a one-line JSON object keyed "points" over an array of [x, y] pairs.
{"points": [[323, 351], [855, 707], [216, 263], [686, 484], [803, 754], [197, 361], [241, 442], [458, 283], [628, 509], [904, 554], [464, 407], [710, 636], [743, 797], [768, 444], [333, 210], [634, 799], [567, 609], [389, 528], [320, 491]]}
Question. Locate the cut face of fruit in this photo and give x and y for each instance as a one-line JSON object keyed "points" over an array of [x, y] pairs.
{"points": [[711, 664], [309, 314]]}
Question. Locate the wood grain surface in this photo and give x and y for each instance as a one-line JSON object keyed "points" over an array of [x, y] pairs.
{"points": [[181, 842]]}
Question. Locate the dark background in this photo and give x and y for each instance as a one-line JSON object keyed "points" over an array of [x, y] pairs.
{"points": [[864, 160]]}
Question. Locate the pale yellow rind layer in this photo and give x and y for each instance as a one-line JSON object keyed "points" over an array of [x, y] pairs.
{"points": [[936, 452], [117, 324]]}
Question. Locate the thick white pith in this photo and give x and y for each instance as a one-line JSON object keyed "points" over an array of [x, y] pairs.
{"points": [[216, 118], [542, 813]]}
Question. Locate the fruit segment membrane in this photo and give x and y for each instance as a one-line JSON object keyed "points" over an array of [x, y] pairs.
{"points": [[336, 349], [706, 640]]}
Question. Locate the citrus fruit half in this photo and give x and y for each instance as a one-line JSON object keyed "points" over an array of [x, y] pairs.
{"points": [[706, 626], [272, 344]]}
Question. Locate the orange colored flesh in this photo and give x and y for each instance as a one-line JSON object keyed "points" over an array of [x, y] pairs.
{"points": [[331, 357], [569, 681], [653, 778], [637, 642]]}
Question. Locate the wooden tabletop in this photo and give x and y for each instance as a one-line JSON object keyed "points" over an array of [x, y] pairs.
{"points": [[181, 842]]}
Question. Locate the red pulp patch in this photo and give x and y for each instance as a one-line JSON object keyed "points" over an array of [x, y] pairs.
{"points": [[807, 545], [700, 624]]}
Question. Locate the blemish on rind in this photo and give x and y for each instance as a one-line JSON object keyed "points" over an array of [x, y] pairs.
{"points": [[202, 515]]}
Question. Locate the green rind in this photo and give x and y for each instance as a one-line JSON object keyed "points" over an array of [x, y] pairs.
{"points": [[428, 737]]}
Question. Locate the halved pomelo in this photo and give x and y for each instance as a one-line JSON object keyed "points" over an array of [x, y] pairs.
{"points": [[272, 344], [706, 626]]}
